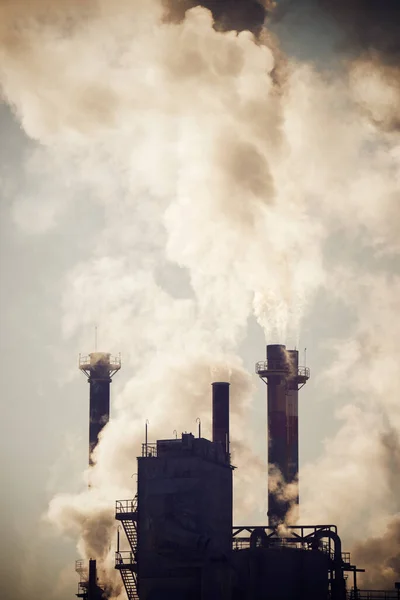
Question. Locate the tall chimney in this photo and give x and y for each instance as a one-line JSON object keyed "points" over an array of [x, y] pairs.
{"points": [[99, 367], [284, 379], [92, 583], [220, 414]]}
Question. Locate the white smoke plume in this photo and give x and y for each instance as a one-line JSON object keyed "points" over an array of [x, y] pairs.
{"points": [[286, 493], [355, 482], [201, 164], [381, 556]]}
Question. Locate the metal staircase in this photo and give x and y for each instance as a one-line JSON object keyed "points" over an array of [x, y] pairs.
{"points": [[131, 533], [82, 569], [125, 562]]}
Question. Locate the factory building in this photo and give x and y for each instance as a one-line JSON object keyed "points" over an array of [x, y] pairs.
{"points": [[178, 540]]}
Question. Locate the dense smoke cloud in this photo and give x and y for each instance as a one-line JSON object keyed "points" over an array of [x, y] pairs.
{"points": [[381, 557], [357, 476], [88, 517]]}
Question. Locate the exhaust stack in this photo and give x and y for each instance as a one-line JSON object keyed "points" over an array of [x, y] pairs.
{"points": [[220, 414], [284, 377], [99, 368]]}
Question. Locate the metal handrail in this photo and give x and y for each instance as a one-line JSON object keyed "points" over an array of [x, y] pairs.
{"points": [[263, 365], [80, 565], [346, 557], [373, 594], [126, 506], [296, 541], [115, 361], [124, 558], [298, 532], [149, 450]]}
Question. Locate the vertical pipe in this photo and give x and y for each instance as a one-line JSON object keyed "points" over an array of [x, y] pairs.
{"points": [[292, 420], [355, 583], [220, 414], [92, 583]]}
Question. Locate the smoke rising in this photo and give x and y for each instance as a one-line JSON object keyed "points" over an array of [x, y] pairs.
{"points": [[87, 517], [199, 165], [381, 556], [358, 484]]}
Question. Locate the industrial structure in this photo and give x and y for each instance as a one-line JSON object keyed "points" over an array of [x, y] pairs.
{"points": [[99, 368], [179, 541], [88, 586], [284, 377]]}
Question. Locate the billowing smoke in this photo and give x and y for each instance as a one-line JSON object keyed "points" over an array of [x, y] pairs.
{"points": [[206, 170], [285, 493], [355, 482], [88, 518], [381, 557]]}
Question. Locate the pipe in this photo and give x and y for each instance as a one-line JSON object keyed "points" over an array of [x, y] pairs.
{"points": [[292, 420], [339, 588], [92, 583], [220, 414]]}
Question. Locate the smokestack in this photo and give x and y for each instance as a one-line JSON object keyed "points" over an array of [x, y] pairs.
{"points": [[99, 367], [220, 414], [284, 379], [92, 583]]}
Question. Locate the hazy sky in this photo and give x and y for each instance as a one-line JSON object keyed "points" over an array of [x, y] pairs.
{"points": [[106, 223]]}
